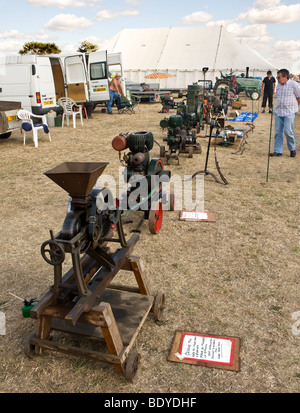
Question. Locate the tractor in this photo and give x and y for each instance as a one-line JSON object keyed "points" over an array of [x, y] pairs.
{"points": [[238, 84]]}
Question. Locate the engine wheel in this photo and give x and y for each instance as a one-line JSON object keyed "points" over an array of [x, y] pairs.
{"points": [[156, 165], [52, 252], [155, 218]]}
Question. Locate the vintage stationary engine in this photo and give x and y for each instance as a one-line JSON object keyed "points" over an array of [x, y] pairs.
{"points": [[137, 159], [168, 103], [204, 102], [91, 213], [142, 171], [84, 301], [181, 136]]}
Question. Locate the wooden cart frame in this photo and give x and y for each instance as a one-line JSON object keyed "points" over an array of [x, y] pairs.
{"points": [[116, 316]]}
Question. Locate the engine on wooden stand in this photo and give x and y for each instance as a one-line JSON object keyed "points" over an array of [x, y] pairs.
{"points": [[84, 301], [144, 177]]}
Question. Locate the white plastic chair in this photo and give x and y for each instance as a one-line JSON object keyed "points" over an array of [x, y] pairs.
{"points": [[26, 118], [70, 108]]}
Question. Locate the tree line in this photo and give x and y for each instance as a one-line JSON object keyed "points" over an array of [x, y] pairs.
{"points": [[41, 48]]}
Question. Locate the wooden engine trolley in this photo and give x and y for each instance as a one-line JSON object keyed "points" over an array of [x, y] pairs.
{"points": [[84, 301]]}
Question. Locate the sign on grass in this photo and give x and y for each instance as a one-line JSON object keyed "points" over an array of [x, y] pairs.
{"points": [[197, 216], [206, 350]]}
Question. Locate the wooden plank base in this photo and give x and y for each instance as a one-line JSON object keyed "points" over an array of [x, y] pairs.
{"points": [[128, 309]]}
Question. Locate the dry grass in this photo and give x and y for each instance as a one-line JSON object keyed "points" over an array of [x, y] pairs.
{"points": [[236, 277]]}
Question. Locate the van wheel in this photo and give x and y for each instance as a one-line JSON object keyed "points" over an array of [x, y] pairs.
{"points": [[5, 135]]}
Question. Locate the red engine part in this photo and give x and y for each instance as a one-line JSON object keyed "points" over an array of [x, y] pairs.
{"points": [[119, 143]]}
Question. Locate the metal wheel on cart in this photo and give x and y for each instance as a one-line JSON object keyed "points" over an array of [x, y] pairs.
{"points": [[155, 217], [29, 349], [132, 366], [159, 306]]}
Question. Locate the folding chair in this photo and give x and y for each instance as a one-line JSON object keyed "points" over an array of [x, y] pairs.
{"points": [[28, 125], [70, 108], [128, 103]]}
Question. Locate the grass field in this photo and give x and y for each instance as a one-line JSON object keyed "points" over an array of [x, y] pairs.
{"points": [[238, 276]]}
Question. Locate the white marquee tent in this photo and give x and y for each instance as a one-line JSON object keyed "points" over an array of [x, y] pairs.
{"points": [[184, 52]]}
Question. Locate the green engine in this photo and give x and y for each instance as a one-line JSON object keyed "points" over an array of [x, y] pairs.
{"points": [[179, 133], [137, 160]]}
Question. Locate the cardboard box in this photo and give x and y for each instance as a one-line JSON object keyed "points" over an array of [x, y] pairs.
{"points": [[237, 105]]}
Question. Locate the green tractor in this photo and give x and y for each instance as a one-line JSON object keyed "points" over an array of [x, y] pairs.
{"points": [[238, 84]]}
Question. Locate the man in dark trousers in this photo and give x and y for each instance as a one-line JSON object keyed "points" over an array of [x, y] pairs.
{"points": [[268, 89]]}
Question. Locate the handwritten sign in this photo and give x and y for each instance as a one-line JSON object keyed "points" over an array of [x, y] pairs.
{"points": [[194, 215], [197, 347], [206, 350]]}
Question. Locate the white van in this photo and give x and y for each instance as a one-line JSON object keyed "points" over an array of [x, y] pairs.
{"points": [[97, 75], [39, 81], [69, 76], [82, 77], [29, 80], [101, 68]]}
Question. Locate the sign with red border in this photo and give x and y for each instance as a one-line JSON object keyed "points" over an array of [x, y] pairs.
{"points": [[206, 350]]}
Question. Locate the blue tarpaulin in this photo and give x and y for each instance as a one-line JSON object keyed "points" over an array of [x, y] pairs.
{"points": [[245, 117]]}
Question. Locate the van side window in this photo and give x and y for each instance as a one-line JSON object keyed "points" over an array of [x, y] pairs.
{"points": [[98, 70]]}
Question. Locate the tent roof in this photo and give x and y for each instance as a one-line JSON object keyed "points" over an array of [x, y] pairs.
{"points": [[180, 48]]}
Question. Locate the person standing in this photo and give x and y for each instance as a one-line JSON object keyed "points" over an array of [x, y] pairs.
{"points": [[115, 91], [267, 90], [288, 100]]}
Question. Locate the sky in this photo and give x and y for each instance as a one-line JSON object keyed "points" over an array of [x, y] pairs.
{"points": [[269, 26]]}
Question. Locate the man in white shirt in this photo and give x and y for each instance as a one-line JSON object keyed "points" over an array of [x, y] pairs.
{"points": [[288, 100]]}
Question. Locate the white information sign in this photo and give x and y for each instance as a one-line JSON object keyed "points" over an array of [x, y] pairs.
{"points": [[205, 348], [194, 215]]}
